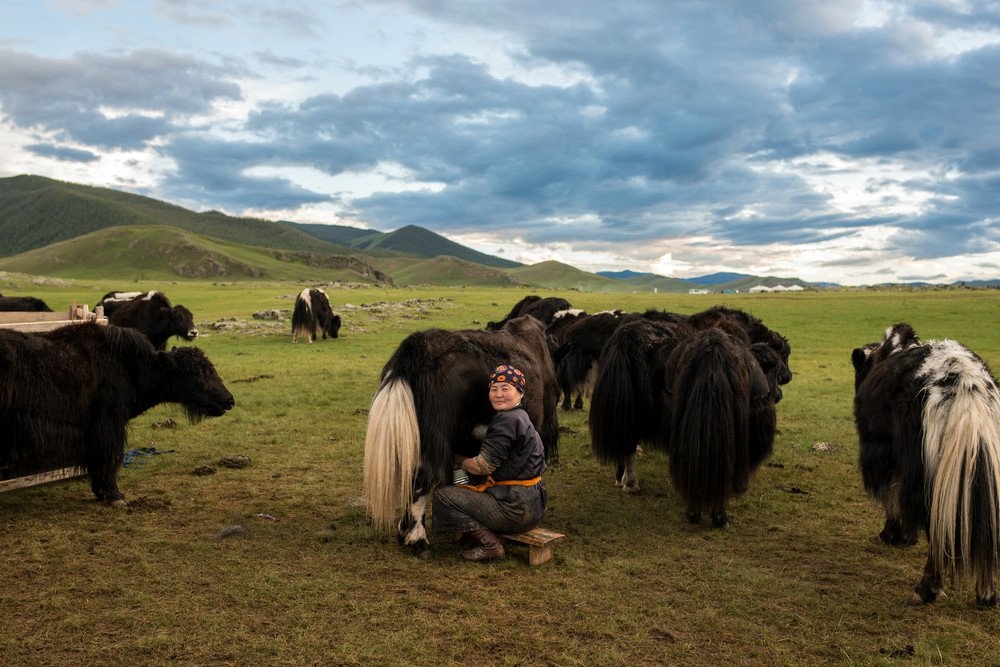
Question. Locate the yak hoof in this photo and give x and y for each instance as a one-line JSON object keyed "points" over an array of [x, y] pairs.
{"points": [[990, 601], [923, 595], [118, 502], [421, 549]]}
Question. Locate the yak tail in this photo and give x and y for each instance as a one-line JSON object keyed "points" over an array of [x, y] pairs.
{"points": [[961, 449], [614, 431], [392, 452], [302, 316], [709, 458]]}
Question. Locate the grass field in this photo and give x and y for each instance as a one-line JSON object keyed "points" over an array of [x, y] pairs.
{"points": [[274, 564]]}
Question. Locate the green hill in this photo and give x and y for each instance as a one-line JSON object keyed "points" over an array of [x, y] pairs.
{"points": [[137, 252], [556, 275], [37, 211], [410, 240], [337, 234], [444, 271]]}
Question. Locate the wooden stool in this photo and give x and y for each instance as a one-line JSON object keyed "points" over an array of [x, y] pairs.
{"points": [[539, 541]]}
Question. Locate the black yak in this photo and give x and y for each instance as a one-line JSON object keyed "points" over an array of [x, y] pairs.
{"points": [[720, 416], [25, 304], [542, 309], [66, 397], [631, 401]]}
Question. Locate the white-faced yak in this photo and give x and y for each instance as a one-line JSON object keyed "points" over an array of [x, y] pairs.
{"points": [[66, 397], [928, 420]]}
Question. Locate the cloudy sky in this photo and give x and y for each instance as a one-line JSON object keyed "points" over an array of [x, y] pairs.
{"points": [[850, 141]]}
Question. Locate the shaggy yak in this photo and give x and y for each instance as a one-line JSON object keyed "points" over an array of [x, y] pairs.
{"points": [[542, 309], [66, 397], [636, 395], [150, 313], [720, 416], [928, 420], [312, 311], [432, 397]]}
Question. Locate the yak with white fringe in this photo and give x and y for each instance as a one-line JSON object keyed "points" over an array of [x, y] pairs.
{"points": [[928, 420]]}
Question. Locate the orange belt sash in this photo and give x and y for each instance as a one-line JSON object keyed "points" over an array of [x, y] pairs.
{"points": [[507, 482]]}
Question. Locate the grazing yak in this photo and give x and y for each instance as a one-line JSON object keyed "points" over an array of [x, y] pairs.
{"points": [[312, 311], [23, 304], [150, 313], [542, 309], [67, 396], [578, 341], [432, 396], [928, 421]]}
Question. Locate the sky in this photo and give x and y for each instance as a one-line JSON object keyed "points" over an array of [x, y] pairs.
{"points": [[855, 142]]}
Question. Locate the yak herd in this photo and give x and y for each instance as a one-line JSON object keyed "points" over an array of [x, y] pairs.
{"points": [[701, 388]]}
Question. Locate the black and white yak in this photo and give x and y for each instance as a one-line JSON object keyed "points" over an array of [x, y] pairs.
{"points": [[928, 421], [433, 395], [312, 311], [67, 396], [151, 313]]}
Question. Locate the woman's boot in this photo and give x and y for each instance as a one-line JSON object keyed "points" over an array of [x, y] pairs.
{"points": [[487, 547]]}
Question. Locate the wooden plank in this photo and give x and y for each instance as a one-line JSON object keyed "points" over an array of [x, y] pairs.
{"points": [[32, 322], [18, 317], [537, 536], [41, 478], [35, 327]]}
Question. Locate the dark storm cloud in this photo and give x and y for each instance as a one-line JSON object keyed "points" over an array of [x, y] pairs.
{"points": [[108, 101], [217, 171], [62, 153]]}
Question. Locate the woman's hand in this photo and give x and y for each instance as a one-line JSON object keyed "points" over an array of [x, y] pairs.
{"points": [[470, 465]]}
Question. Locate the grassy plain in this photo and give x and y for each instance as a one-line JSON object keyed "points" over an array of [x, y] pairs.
{"points": [[274, 564]]}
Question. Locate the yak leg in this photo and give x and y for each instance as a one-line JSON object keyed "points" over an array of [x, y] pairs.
{"points": [[625, 475], [895, 532], [104, 452], [986, 591], [412, 528], [719, 517], [929, 589]]}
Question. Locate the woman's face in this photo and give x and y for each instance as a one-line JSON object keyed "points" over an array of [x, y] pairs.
{"points": [[504, 396]]}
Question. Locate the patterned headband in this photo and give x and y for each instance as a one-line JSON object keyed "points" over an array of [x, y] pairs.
{"points": [[510, 375]]}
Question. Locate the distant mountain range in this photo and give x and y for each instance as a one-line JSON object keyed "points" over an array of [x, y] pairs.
{"points": [[50, 227]]}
